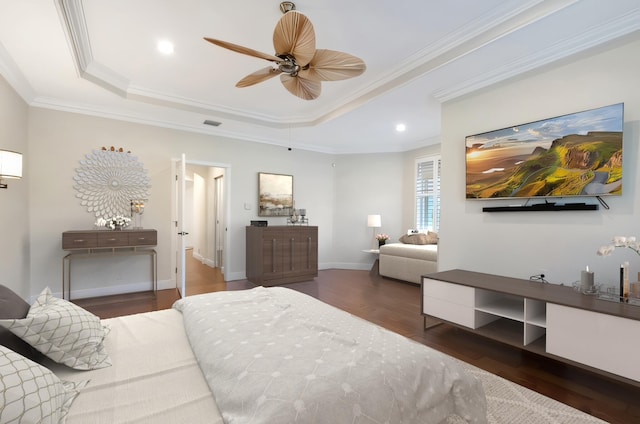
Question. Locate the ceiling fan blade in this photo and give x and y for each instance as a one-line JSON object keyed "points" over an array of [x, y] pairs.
{"points": [[301, 87], [294, 35], [244, 50], [258, 76], [331, 65]]}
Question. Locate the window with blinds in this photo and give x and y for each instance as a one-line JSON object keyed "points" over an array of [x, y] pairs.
{"points": [[428, 194]]}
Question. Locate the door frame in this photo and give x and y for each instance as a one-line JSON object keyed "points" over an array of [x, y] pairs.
{"points": [[174, 205]]}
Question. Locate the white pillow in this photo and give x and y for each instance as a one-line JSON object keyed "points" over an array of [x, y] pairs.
{"points": [[64, 332], [31, 393]]}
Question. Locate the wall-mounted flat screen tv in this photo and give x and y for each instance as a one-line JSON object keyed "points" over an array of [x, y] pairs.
{"points": [[579, 154]]}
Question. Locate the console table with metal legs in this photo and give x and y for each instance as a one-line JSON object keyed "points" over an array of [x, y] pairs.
{"points": [[103, 244]]}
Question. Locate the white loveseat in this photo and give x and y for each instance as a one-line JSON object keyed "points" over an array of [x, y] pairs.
{"points": [[408, 262]]}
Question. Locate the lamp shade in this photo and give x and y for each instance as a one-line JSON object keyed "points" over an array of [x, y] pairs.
{"points": [[374, 221], [10, 164]]}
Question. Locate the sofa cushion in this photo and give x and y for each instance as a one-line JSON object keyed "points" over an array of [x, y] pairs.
{"points": [[427, 252], [420, 238]]}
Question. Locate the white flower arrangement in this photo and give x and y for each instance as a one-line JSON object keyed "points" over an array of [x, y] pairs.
{"points": [[620, 241], [114, 222]]}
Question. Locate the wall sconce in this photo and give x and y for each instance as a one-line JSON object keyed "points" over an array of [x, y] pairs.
{"points": [[374, 221], [10, 166]]}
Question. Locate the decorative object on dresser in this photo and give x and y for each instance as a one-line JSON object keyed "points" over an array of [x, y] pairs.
{"points": [[281, 254], [628, 292], [108, 180], [114, 223], [298, 217], [101, 244], [10, 166], [137, 210], [547, 319]]}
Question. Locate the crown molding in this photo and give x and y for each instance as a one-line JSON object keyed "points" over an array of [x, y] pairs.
{"points": [[604, 33], [497, 23], [10, 72]]}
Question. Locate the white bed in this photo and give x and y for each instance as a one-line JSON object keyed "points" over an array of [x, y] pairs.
{"points": [[267, 355], [154, 377]]}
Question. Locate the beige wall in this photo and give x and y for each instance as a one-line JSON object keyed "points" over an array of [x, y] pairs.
{"points": [[338, 193], [558, 243], [14, 201]]}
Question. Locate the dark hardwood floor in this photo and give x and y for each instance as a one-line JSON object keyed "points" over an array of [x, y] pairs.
{"points": [[396, 305]]}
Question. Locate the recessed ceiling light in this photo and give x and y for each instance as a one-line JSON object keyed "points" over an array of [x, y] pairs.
{"points": [[401, 127], [165, 47]]}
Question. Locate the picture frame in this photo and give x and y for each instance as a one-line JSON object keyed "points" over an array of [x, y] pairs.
{"points": [[275, 194]]}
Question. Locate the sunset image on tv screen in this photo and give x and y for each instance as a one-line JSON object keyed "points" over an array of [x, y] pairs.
{"points": [[571, 155]]}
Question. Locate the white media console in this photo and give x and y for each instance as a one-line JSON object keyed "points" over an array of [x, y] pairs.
{"points": [[548, 319]]}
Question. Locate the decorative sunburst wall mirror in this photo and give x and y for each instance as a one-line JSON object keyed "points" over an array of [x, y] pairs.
{"points": [[108, 180]]}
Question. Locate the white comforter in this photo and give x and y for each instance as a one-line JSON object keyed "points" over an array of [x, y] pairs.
{"points": [[274, 355]]}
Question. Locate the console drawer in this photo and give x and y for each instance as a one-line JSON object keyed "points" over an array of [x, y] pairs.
{"points": [[79, 240], [143, 238], [113, 239], [448, 311], [452, 293]]}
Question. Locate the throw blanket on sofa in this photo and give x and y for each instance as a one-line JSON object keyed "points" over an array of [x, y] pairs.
{"points": [[274, 355]]}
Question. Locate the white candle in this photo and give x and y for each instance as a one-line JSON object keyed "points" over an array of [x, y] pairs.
{"points": [[586, 280]]}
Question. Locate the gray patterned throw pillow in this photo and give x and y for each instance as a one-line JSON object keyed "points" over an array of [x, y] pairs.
{"points": [[64, 332], [30, 393]]}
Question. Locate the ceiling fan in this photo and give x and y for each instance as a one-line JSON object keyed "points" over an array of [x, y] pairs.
{"points": [[301, 67]]}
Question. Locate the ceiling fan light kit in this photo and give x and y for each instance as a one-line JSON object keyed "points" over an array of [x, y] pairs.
{"points": [[301, 67]]}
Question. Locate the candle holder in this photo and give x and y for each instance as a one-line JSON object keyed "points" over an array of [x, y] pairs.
{"points": [[589, 291], [612, 294], [137, 209]]}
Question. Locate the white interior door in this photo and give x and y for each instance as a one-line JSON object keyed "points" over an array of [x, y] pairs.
{"points": [[220, 229], [181, 270]]}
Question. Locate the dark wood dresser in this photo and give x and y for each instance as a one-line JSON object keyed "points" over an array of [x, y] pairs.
{"points": [[281, 254]]}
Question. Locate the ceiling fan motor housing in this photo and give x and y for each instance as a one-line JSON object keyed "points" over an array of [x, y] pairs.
{"points": [[288, 65]]}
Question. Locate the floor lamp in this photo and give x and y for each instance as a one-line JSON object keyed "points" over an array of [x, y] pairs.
{"points": [[374, 221]]}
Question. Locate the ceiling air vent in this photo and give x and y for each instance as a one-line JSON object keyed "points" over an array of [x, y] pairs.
{"points": [[212, 123]]}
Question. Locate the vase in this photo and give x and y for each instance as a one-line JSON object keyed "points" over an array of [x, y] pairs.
{"points": [[381, 242]]}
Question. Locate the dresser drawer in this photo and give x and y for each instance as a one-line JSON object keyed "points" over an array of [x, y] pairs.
{"points": [[79, 240], [113, 239], [143, 238]]}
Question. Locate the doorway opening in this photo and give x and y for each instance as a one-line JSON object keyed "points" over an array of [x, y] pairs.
{"points": [[200, 225], [202, 278], [204, 219]]}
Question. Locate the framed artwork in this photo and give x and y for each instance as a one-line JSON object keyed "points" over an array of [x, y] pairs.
{"points": [[275, 194]]}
